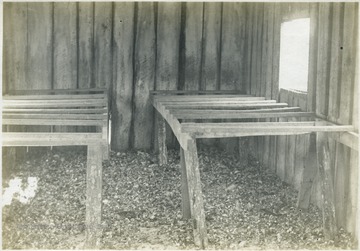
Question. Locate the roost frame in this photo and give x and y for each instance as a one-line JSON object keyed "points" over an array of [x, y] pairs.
{"points": [[178, 107]]}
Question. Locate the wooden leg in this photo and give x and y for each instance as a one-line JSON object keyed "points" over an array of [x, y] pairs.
{"points": [[186, 208], [162, 141], [105, 138], [308, 174], [195, 194], [93, 197], [327, 187]]}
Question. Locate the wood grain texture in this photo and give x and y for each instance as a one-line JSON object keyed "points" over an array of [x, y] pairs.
{"points": [[65, 48], [15, 46], [232, 49], [193, 45], [144, 76], [210, 75], [86, 45], [276, 51], [123, 49], [323, 61], [39, 49], [167, 52], [102, 44]]}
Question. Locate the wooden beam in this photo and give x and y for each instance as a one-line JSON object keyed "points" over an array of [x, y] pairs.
{"points": [[195, 92], [93, 197], [50, 139], [220, 114], [161, 140], [186, 203], [67, 122], [61, 116], [184, 98], [56, 110], [214, 101], [55, 97], [327, 187], [349, 139], [57, 91], [226, 106], [195, 193]]}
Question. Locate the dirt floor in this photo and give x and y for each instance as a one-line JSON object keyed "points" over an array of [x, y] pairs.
{"points": [[246, 207]]}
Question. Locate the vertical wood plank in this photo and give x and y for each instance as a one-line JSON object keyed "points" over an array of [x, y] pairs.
{"points": [[323, 66], [250, 9], [281, 145], [291, 147], [39, 48], [260, 36], [193, 45], [123, 49], [254, 51], [276, 51], [265, 51], [93, 197], [65, 48], [313, 51], [232, 49], [102, 44], [86, 45], [15, 43], [144, 75], [210, 75], [167, 51], [335, 74]]}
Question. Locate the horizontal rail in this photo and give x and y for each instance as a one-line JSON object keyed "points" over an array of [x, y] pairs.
{"points": [[56, 110], [62, 116], [53, 103], [55, 97], [236, 114], [224, 106], [50, 139], [64, 122], [204, 97], [219, 130], [57, 91], [215, 101], [167, 92]]}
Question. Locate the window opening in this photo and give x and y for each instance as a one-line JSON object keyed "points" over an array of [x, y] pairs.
{"points": [[294, 54]]}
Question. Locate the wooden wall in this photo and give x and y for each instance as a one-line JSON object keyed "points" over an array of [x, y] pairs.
{"points": [[129, 47], [332, 92], [133, 48]]}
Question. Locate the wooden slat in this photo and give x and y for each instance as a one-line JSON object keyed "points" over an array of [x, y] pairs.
{"points": [[234, 114], [226, 106], [62, 116], [87, 97], [57, 91], [193, 44], [52, 122], [50, 139], [195, 92], [33, 104], [215, 101], [123, 67], [144, 76], [206, 98], [276, 51], [57, 110]]}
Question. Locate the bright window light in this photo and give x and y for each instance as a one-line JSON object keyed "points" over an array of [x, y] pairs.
{"points": [[294, 54]]}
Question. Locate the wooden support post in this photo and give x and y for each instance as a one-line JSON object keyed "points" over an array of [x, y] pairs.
{"points": [[162, 140], [191, 163], [105, 137], [93, 197], [186, 208], [308, 174], [327, 187]]}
